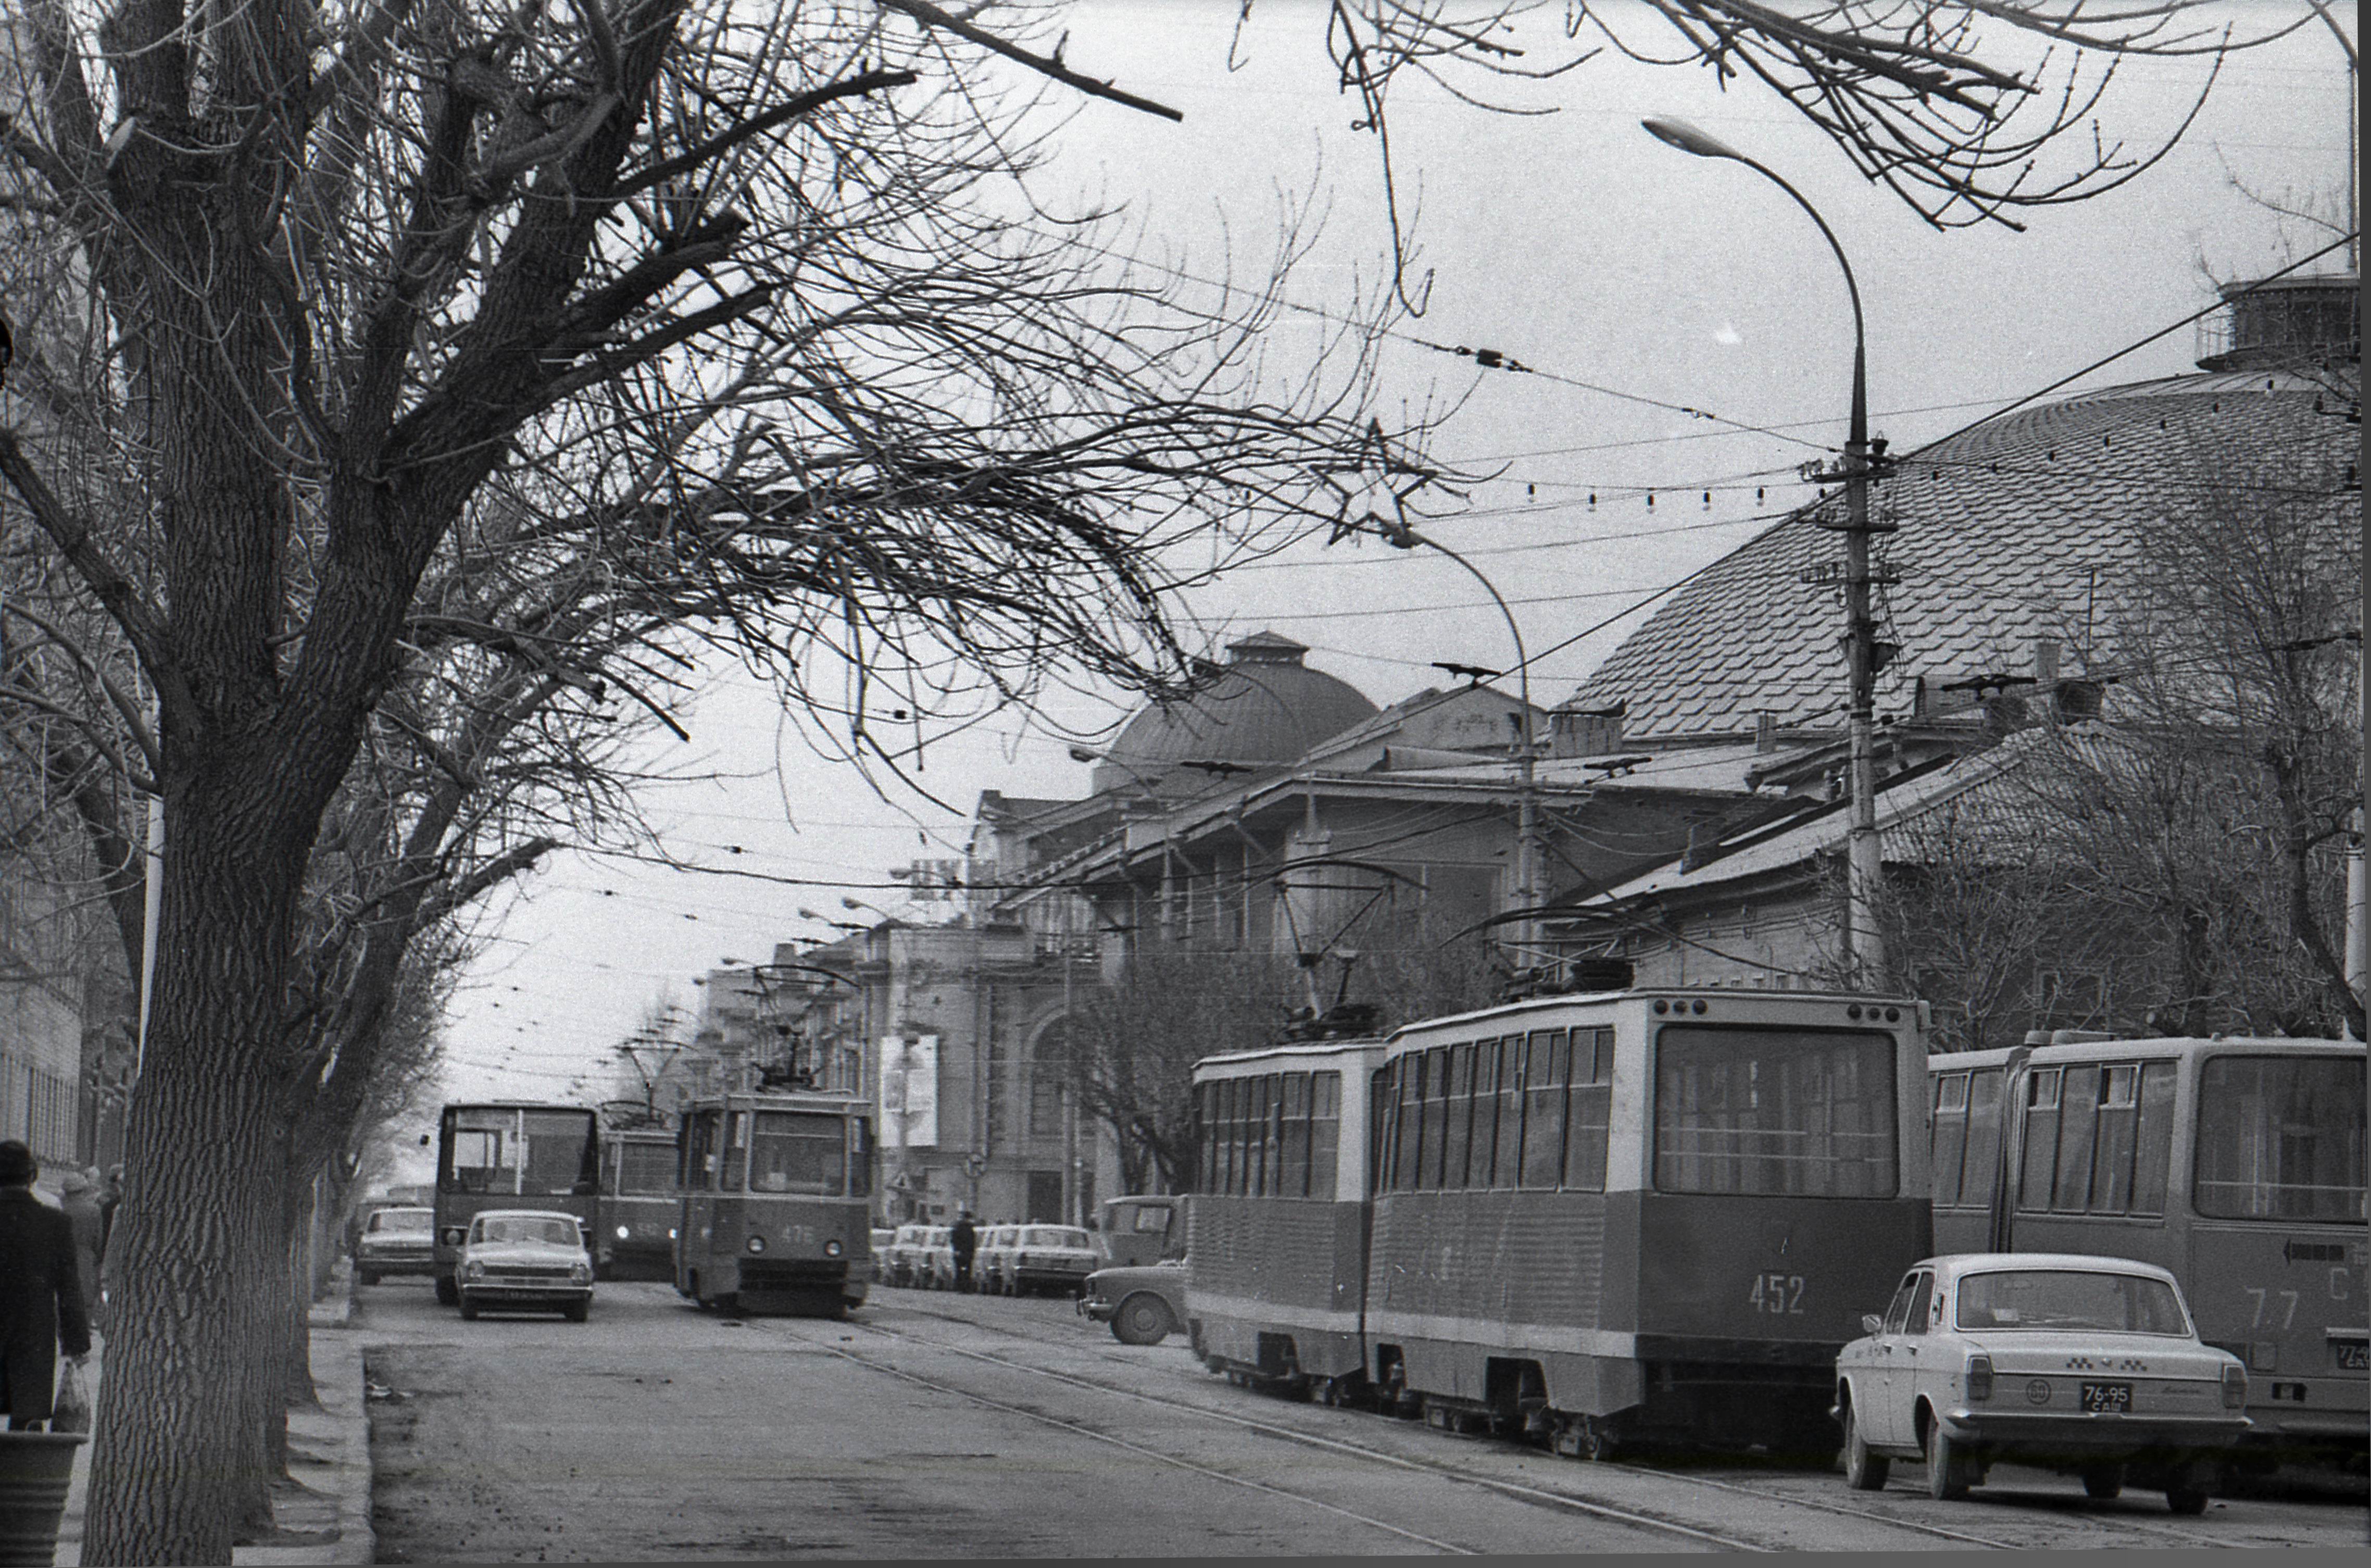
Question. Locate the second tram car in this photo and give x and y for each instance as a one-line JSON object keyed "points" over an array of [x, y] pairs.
{"points": [[635, 1237], [776, 1202], [510, 1155], [2238, 1164], [1649, 1216], [1277, 1251]]}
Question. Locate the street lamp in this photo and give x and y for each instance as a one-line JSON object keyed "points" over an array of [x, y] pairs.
{"points": [[1864, 948]]}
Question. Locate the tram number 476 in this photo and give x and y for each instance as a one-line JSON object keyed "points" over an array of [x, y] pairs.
{"points": [[1781, 1295]]}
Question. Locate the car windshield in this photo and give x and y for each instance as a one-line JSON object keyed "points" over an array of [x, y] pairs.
{"points": [[416, 1220], [557, 1232], [1054, 1235], [2070, 1298]]}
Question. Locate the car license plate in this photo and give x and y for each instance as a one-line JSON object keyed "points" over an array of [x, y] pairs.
{"points": [[2107, 1399], [2352, 1355]]}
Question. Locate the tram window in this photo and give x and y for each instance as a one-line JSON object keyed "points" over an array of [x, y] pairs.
{"points": [[1804, 1112], [1296, 1136], [1205, 1108], [2078, 1098], [2111, 1154], [1436, 1117], [558, 1153], [645, 1169], [863, 1156], [479, 1162], [1587, 1110], [1256, 1119], [798, 1151], [1410, 1121], [1325, 1133], [1544, 1084], [734, 1168], [1459, 1136], [699, 1152], [2280, 1137], [1236, 1091], [2041, 1140], [1272, 1136], [2153, 1143], [1509, 1154], [1950, 1136], [1482, 1159], [1984, 1138]]}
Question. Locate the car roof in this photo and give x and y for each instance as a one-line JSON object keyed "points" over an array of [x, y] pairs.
{"points": [[523, 1214], [2083, 1263]]}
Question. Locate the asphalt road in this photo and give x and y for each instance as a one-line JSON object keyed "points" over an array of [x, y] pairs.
{"points": [[937, 1425]]}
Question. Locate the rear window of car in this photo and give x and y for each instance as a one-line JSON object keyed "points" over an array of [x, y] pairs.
{"points": [[1054, 1235], [2062, 1299], [420, 1220]]}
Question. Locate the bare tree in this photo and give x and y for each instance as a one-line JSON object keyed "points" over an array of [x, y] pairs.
{"points": [[1972, 111], [435, 349]]}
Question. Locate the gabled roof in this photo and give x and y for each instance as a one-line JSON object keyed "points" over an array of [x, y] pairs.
{"points": [[2019, 528]]}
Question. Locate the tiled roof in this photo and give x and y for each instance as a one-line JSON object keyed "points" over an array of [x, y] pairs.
{"points": [[2019, 528]]}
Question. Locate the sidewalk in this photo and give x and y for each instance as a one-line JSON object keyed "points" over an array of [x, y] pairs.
{"points": [[327, 1516]]}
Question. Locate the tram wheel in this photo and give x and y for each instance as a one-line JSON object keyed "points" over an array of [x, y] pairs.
{"points": [[1865, 1472], [448, 1291], [2103, 1481], [2184, 1498]]}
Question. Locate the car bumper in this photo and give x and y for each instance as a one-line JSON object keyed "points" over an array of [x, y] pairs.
{"points": [[422, 1263], [526, 1294], [1073, 1278], [1095, 1310], [2093, 1435]]}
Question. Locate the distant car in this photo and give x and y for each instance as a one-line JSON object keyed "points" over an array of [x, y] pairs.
{"points": [[938, 1259], [1144, 1303], [882, 1238], [396, 1240], [525, 1260], [1051, 1257], [906, 1263], [991, 1266], [2069, 1362]]}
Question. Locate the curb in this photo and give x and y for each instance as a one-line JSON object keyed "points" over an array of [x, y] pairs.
{"points": [[328, 1454]]}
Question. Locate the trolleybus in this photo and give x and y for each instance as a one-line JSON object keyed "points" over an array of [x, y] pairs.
{"points": [[1651, 1214], [635, 1236], [2237, 1164], [775, 1213], [1276, 1253], [510, 1155]]}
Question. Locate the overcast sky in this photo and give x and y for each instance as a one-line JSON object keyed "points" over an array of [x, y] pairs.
{"points": [[1626, 274]]}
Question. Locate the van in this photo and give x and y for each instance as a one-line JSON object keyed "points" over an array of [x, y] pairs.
{"points": [[1144, 1228]]}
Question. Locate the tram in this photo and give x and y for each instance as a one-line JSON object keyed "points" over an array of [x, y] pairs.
{"points": [[635, 1236], [1277, 1245], [1602, 1220], [510, 1154], [775, 1205], [2235, 1163]]}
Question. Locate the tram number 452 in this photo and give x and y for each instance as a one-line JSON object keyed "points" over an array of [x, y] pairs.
{"points": [[1780, 1294]]}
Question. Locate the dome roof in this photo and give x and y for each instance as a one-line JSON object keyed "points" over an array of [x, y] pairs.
{"points": [[1266, 708], [2020, 529]]}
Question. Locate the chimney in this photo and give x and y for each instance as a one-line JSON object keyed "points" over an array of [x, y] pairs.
{"points": [[1765, 732], [1586, 732], [2045, 663], [1704, 841]]}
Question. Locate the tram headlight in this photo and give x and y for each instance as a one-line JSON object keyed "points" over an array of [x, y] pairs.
{"points": [[756, 1243], [623, 1233], [455, 1236], [2235, 1386], [831, 1248], [1979, 1375]]}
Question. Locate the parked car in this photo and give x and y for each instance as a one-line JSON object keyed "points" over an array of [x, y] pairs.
{"points": [[525, 1260], [396, 1240], [1051, 1257], [1144, 1303], [882, 1238], [938, 1258], [2069, 1362], [991, 1268], [907, 1263]]}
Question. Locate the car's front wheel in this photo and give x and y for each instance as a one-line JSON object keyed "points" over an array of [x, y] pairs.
{"points": [[448, 1291], [366, 1276], [2103, 1481], [1143, 1318], [1864, 1472], [578, 1311], [1947, 1466]]}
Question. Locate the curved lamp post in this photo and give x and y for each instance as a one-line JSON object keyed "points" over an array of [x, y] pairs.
{"points": [[1864, 947]]}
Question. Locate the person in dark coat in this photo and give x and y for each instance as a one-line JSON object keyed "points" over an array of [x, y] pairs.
{"points": [[962, 1240], [78, 1199], [41, 1292]]}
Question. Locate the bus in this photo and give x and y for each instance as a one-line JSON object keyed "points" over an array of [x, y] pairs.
{"points": [[775, 1211], [2234, 1163], [635, 1236], [508, 1154]]}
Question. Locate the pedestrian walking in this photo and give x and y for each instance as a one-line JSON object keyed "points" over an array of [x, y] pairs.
{"points": [[79, 1200], [963, 1239], [40, 1294]]}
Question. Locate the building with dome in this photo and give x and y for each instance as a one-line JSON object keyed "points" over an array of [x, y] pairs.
{"points": [[2021, 586]]}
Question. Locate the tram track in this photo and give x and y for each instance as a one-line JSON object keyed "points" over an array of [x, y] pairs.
{"points": [[2105, 1530], [1532, 1494]]}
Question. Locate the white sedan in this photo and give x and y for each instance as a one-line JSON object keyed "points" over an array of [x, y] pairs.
{"points": [[2067, 1362], [527, 1259]]}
